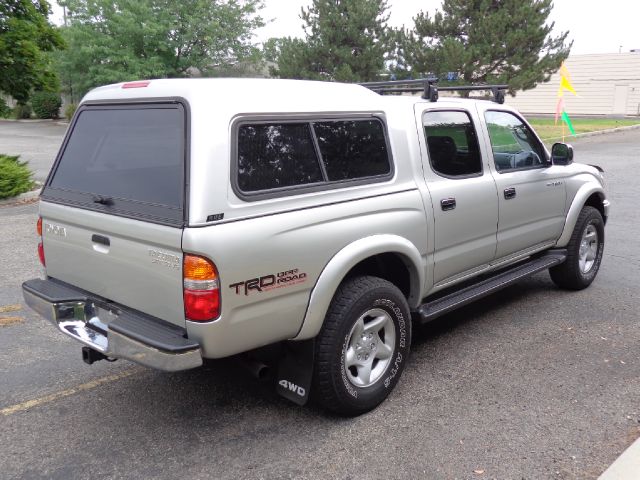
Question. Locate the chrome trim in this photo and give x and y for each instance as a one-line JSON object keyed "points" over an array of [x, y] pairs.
{"points": [[80, 321]]}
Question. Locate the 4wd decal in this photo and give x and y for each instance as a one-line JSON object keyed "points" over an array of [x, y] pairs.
{"points": [[270, 282]]}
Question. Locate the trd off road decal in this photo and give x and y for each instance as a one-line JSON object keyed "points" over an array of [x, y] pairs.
{"points": [[270, 282]]}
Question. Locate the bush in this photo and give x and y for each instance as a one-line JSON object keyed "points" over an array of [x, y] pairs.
{"points": [[70, 110], [15, 177], [5, 111], [22, 111], [46, 104]]}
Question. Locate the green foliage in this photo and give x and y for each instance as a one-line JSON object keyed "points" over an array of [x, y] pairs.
{"points": [[5, 111], [46, 104], [346, 40], [116, 40], [15, 177], [25, 37], [21, 112], [494, 41], [69, 110]]}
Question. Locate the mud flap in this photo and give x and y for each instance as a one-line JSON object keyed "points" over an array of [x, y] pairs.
{"points": [[295, 371]]}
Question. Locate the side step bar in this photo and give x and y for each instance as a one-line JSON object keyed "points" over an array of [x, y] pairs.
{"points": [[433, 309]]}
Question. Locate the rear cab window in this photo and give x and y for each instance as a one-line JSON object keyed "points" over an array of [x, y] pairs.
{"points": [[126, 160], [282, 157]]}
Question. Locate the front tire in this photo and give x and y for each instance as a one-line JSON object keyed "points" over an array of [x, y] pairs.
{"points": [[363, 346], [584, 252]]}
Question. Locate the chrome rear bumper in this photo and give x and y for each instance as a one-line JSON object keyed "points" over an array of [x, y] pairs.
{"points": [[111, 329]]}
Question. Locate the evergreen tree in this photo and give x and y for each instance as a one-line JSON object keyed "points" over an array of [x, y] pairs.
{"points": [[345, 40], [116, 40], [492, 41], [25, 36]]}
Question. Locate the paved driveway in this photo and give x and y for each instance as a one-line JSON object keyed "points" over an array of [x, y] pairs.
{"points": [[35, 141], [531, 383]]}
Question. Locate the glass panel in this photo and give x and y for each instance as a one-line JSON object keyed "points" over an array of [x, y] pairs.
{"points": [[353, 149], [276, 155], [514, 145], [130, 154], [452, 143]]}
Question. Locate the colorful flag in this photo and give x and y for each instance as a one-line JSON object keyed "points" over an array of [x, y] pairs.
{"points": [[565, 84]]}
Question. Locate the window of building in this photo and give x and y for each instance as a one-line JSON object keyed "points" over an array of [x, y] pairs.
{"points": [[452, 143]]}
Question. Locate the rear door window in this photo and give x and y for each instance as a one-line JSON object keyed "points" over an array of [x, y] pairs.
{"points": [[125, 160]]}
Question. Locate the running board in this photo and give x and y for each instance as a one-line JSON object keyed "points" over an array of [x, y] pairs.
{"points": [[432, 309]]}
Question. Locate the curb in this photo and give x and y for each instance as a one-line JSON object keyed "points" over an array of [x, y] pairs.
{"points": [[626, 467], [22, 198], [595, 133]]}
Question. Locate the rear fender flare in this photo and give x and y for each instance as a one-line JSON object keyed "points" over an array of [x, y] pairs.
{"points": [[343, 261]]}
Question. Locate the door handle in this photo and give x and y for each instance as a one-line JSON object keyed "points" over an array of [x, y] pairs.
{"points": [[509, 193], [448, 204], [101, 239]]}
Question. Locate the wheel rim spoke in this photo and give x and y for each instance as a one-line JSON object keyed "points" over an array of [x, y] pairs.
{"points": [[375, 325], [350, 359], [384, 351], [364, 372]]}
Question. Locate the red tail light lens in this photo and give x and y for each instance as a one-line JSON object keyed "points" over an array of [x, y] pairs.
{"points": [[201, 288], [40, 246], [41, 254]]}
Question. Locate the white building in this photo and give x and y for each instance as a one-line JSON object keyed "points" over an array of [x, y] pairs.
{"points": [[607, 84]]}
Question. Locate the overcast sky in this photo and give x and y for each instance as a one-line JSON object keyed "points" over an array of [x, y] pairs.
{"points": [[596, 26]]}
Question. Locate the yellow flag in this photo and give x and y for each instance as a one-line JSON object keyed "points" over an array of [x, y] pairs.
{"points": [[565, 84]]}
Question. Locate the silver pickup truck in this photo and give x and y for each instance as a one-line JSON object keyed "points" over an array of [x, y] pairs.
{"points": [[195, 219]]}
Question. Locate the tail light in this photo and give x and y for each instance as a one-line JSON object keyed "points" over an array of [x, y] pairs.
{"points": [[201, 287], [40, 245]]}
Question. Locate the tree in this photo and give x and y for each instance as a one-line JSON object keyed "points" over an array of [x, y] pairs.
{"points": [[345, 40], [25, 37], [116, 40], [494, 41]]}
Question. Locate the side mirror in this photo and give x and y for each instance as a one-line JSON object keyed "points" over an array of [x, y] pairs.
{"points": [[561, 154]]}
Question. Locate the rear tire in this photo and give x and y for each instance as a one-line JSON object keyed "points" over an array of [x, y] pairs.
{"points": [[363, 346], [584, 252]]}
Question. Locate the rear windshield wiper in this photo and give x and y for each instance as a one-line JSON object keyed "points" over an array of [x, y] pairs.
{"points": [[102, 200]]}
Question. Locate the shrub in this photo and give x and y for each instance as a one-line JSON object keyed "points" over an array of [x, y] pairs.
{"points": [[5, 111], [70, 110], [15, 177], [22, 111], [46, 104]]}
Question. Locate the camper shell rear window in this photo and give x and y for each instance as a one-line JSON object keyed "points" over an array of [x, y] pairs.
{"points": [[126, 160]]}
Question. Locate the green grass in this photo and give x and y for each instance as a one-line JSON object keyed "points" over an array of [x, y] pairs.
{"points": [[549, 132]]}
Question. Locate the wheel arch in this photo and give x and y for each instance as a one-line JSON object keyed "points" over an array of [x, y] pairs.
{"points": [[387, 256], [588, 195]]}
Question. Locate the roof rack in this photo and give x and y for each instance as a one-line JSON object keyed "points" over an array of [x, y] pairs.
{"points": [[429, 88]]}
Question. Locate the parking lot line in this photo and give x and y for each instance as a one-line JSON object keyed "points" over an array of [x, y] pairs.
{"points": [[10, 308], [36, 402]]}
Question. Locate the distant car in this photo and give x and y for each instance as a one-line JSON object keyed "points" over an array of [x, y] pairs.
{"points": [[203, 218]]}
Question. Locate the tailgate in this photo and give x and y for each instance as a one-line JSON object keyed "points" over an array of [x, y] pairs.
{"points": [[133, 263], [113, 206]]}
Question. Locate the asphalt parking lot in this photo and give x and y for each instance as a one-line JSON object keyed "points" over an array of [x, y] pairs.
{"points": [[530, 383]]}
